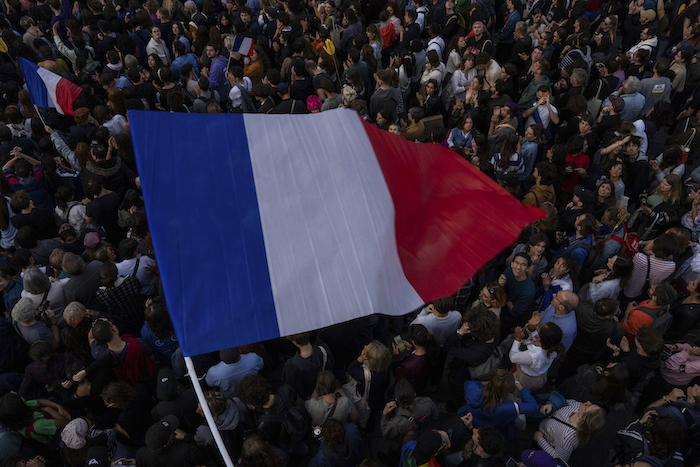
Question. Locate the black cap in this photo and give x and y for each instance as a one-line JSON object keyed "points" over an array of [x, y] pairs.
{"points": [[586, 196], [427, 446], [168, 386], [159, 434], [97, 456]]}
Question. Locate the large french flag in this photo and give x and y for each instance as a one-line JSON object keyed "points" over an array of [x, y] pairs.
{"points": [[270, 225], [47, 89]]}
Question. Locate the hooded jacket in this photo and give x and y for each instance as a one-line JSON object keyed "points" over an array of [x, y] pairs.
{"points": [[397, 423], [225, 421], [539, 194]]}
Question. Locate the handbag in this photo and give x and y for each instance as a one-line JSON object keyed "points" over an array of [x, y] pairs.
{"points": [[360, 401]]}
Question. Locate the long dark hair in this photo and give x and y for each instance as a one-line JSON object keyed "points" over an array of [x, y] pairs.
{"points": [[550, 339], [15, 414]]}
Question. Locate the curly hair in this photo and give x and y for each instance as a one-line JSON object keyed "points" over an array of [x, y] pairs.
{"points": [[333, 432], [483, 323], [255, 390], [119, 394]]}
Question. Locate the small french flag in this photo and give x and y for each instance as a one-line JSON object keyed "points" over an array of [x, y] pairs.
{"points": [[243, 45], [47, 89]]}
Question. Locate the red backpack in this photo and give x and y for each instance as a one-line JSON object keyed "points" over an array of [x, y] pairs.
{"points": [[630, 242]]}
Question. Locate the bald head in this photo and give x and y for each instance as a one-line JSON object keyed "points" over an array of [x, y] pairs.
{"points": [[568, 300]]}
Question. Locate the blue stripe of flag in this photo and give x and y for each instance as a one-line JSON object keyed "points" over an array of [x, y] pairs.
{"points": [[35, 85], [178, 154]]}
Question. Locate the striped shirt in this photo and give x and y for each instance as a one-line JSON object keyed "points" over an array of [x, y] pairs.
{"points": [[659, 271], [515, 164], [559, 439]]}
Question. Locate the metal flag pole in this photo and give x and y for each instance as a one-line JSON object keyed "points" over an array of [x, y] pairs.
{"points": [[39, 114], [207, 413]]}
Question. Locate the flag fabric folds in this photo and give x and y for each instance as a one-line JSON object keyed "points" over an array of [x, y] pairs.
{"points": [[270, 225], [243, 45], [47, 89]]}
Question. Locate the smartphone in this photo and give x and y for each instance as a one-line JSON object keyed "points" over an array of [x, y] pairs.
{"points": [[511, 463], [398, 340], [392, 55]]}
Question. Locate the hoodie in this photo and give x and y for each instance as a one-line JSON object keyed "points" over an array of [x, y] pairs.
{"points": [[225, 421], [397, 423], [300, 373]]}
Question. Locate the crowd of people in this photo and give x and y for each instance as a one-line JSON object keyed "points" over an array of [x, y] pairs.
{"points": [[585, 109]]}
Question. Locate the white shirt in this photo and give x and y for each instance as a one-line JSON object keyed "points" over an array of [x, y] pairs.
{"points": [[439, 326], [544, 116], [533, 361]]}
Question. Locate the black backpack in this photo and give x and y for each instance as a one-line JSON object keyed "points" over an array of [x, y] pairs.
{"points": [[586, 271], [294, 420]]}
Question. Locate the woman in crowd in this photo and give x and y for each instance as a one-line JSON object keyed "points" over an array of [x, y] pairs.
{"points": [[533, 363]]}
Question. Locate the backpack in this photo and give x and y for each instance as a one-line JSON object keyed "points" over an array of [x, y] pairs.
{"points": [[295, 423], [662, 320], [247, 105], [630, 242], [483, 371], [585, 273]]}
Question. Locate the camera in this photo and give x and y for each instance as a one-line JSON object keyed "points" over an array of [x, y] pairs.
{"points": [[41, 311]]}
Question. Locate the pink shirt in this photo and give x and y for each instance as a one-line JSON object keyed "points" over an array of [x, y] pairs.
{"points": [[681, 368]]}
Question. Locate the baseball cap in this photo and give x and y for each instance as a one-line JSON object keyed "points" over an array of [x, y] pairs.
{"points": [[586, 196], [97, 456], [649, 15], [159, 434], [168, 387], [537, 459]]}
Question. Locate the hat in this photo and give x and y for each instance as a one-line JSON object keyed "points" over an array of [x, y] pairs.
{"points": [[91, 240], [618, 103], [97, 456], [282, 88], [586, 196], [537, 459], [514, 107], [73, 434], [23, 310], [190, 5], [427, 446], [159, 434], [73, 313], [168, 387], [649, 15]]}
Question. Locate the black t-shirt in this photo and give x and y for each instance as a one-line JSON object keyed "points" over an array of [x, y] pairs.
{"points": [[43, 220], [104, 211]]}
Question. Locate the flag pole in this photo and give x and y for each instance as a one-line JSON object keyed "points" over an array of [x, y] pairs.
{"points": [[207, 413], [39, 114]]}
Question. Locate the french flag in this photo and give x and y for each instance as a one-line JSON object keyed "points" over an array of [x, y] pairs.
{"points": [[270, 225], [243, 45], [47, 89]]}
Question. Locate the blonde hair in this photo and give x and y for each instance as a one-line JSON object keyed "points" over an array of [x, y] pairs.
{"points": [[216, 401], [674, 195], [590, 424], [378, 357]]}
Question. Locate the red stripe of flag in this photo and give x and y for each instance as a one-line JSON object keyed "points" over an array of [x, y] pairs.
{"points": [[450, 217]]}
